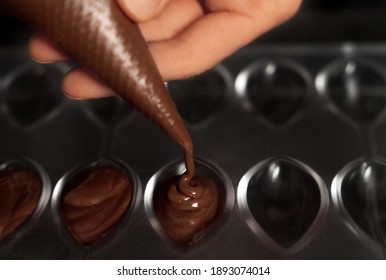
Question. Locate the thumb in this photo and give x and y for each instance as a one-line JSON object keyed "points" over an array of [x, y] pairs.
{"points": [[142, 10]]}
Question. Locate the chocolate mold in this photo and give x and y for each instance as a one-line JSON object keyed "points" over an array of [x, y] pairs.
{"points": [[108, 111], [235, 138], [25, 190], [32, 93], [355, 88], [89, 218], [156, 185], [276, 89], [359, 194], [284, 202], [199, 97]]}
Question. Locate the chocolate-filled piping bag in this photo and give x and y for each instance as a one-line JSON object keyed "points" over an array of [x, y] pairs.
{"points": [[98, 36]]}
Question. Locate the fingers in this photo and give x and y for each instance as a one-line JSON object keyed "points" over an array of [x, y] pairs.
{"points": [[42, 51], [78, 84], [226, 27], [173, 19], [143, 10], [182, 40], [267, 12]]}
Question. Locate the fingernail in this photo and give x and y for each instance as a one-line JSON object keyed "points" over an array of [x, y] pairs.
{"points": [[72, 97], [142, 9]]}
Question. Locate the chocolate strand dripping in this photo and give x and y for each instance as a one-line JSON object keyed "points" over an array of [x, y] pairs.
{"points": [[187, 218], [102, 39], [98, 35]]}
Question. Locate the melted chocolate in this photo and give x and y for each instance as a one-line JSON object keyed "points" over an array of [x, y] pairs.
{"points": [[99, 36], [186, 211], [20, 192], [95, 202]]}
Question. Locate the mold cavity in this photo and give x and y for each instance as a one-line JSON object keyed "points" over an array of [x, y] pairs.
{"points": [[108, 111], [91, 200], [188, 220], [24, 193], [276, 89], [284, 201], [33, 92], [357, 88], [199, 97], [359, 191]]}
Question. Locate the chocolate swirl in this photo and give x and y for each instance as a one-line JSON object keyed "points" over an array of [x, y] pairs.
{"points": [[20, 192], [99, 36], [186, 210], [95, 202]]}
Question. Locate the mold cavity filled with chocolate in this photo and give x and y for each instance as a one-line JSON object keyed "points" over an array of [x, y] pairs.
{"points": [[20, 191], [186, 210], [132, 73], [94, 201]]}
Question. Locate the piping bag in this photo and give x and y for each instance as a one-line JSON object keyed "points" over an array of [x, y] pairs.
{"points": [[98, 36]]}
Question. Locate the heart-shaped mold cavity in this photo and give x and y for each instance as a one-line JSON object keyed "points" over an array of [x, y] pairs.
{"points": [[277, 90], [200, 96], [355, 88], [107, 111], [91, 200], [358, 191], [185, 219], [33, 92], [284, 202], [24, 194]]}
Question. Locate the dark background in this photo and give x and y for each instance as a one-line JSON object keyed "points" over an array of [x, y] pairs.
{"points": [[334, 21], [317, 21]]}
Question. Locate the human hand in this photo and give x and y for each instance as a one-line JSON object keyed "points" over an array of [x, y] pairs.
{"points": [[185, 37]]}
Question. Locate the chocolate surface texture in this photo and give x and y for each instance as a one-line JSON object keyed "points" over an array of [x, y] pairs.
{"points": [[95, 201], [98, 35], [102, 39], [186, 211], [20, 192]]}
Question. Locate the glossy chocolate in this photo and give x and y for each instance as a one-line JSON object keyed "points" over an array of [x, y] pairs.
{"points": [[20, 192], [95, 201], [101, 38], [187, 211]]}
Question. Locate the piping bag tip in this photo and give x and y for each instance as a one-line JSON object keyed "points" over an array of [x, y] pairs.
{"points": [[101, 38]]}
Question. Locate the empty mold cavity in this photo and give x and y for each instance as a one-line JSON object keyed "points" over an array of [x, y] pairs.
{"points": [[108, 111], [92, 200], [355, 88], [359, 192], [200, 96], [276, 89], [183, 221], [24, 193], [33, 92], [284, 202]]}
